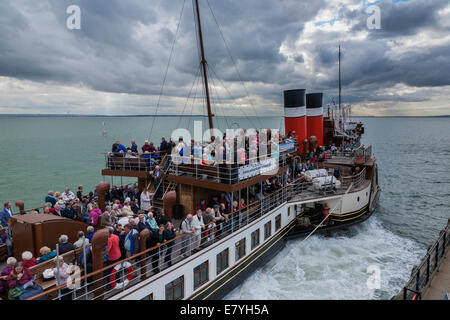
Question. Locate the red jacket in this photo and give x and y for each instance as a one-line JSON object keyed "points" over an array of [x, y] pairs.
{"points": [[12, 278], [29, 263]]}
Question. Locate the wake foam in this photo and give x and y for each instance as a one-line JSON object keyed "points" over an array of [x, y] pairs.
{"points": [[335, 267]]}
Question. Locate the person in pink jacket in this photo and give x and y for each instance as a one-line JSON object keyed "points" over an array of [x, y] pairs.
{"points": [[95, 213]]}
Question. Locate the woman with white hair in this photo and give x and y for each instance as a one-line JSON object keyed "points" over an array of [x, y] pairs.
{"points": [[116, 211], [81, 240], [10, 263], [28, 260], [126, 210], [64, 244], [62, 274]]}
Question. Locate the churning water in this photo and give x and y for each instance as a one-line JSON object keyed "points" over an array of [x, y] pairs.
{"points": [[413, 154]]}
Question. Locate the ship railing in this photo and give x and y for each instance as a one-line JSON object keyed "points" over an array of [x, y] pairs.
{"points": [[422, 275], [356, 180], [135, 162], [98, 284], [229, 173]]}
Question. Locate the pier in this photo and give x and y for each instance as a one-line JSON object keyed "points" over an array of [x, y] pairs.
{"points": [[431, 279]]}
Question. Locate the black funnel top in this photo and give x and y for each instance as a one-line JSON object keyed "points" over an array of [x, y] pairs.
{"points": [[314, 100], [294, 98]]}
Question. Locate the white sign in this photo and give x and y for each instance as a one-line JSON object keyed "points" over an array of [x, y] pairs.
{"points": [[255, 169]]}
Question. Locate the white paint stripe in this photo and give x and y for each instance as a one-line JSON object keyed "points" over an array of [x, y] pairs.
{"points": [[295, 112], [314, 112]]}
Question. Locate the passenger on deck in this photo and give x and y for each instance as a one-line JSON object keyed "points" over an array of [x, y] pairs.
{"points": [[64, 244], [90, 233], [134, 147], [161, 218], [107, 219], [131, 240], [135, 206], [127, 210], [146, 147], [170, 233], [202, 205], [142, 223], [46, 254], [18, 276], [10, 263], [156, 175], [62, 274], [199, 225], [95, 214], [145, 199], [81, 240], [67, 195], [116, 212], [28, 260], [51, 198], [163, 146], [5, 214], [187, 228], [119, 147], [155, 239], [209, 221], [68, 211], [151, 222]]}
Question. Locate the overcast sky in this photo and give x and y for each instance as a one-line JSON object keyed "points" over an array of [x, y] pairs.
{"points": [[115, 64]]}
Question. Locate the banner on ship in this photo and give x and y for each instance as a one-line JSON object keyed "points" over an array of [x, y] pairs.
{"points": [[255, 169]]}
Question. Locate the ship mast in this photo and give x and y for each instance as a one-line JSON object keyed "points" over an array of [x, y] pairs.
{"points": [[340, 87], [205, 76]]}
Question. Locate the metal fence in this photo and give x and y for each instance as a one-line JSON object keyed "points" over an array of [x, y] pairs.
{"points": [[421, 276]]}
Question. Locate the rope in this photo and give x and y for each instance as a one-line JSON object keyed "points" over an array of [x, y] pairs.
{"points": [[303, 240], [189, 95], [167, 69], [234, 63], [242, 110]]}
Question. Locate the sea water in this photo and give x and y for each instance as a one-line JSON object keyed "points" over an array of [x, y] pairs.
{"points": [[48, 153]]}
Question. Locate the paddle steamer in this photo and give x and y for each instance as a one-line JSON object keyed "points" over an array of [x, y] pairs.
{"points": [[340, 191]]}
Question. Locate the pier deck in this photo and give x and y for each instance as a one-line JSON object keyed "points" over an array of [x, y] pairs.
{"points": [[440, 284]]}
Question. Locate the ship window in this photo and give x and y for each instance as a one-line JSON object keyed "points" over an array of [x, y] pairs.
{"points": [[255, 239], [222, 261], [267, 229], [357, 199], [175, 289], [278, 222], [240, 249], [149, 297], [200, 274], [289, 211]]}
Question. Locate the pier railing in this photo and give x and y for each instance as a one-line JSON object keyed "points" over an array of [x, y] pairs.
{"points": [[421, 275]]}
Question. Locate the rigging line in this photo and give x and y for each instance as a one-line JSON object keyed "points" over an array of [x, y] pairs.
{"points": [[167, 68], [242, 109], [234, 63], [189, 95], [193, 102], [217, 93]]}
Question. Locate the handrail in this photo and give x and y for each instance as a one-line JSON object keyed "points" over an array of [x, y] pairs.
{"points": [[231, 215], [421, 276], [108, 267]]}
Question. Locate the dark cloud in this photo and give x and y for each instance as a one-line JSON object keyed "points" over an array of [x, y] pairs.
{"points": [[124, 47]]}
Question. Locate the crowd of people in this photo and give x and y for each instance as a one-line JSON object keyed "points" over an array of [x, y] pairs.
{"points": [[129, 211]]}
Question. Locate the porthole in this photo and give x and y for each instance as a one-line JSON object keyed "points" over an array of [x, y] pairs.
{"points": [[357, 199]]}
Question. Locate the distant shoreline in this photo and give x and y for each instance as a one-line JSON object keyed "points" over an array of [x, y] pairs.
{"points": [[171, 115]]}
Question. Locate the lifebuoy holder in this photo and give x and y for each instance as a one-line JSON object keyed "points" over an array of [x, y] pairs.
{"points": [[129, 275]]}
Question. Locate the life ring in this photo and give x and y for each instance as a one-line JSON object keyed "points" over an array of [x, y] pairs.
{"points": [[129, 271]]}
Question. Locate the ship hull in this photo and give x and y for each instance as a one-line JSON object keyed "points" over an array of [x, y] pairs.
{"points": [[234, 277]]}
